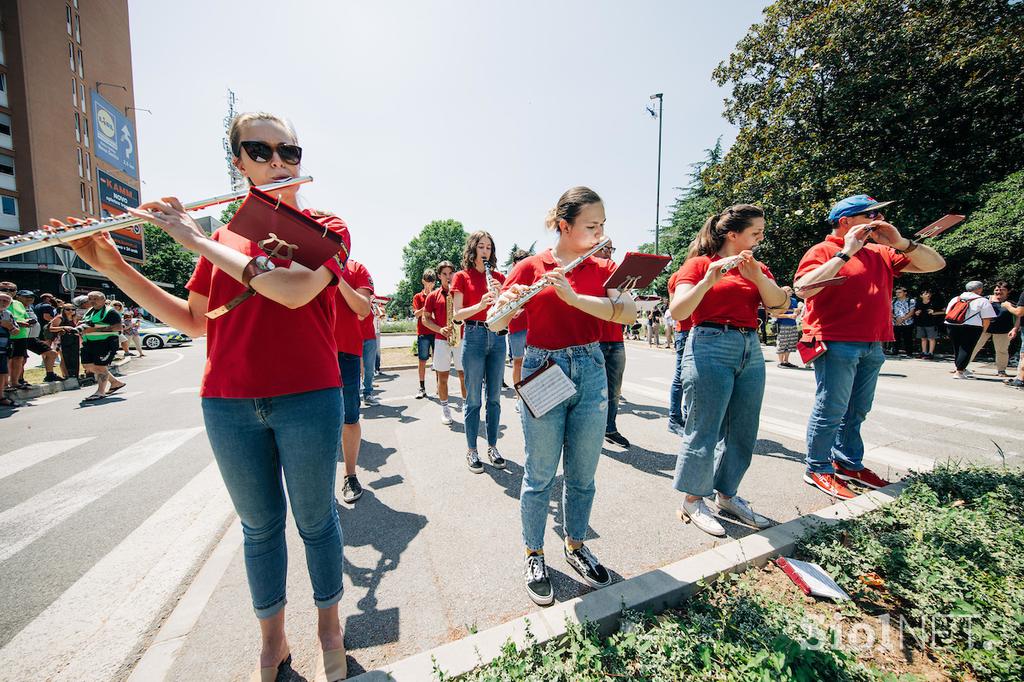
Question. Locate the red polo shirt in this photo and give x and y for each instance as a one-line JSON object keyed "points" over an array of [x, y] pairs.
{"points": [[519, 324], [733, 300], [243, 348], [859, 309], [348, 333], [436, 307], [417, 304], [673, 280], [555, 324], [473, 285]]}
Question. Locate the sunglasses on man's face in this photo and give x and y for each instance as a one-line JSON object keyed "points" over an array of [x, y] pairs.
{"points": [[261, 152], [873, 215]]}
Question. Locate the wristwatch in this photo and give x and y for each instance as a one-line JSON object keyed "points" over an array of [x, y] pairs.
{"points": [[257, 266], [842, 256]]}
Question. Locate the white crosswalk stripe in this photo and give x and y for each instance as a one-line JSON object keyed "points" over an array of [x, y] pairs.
{"points": [[24, 523], [30, 455], [95, 625]]}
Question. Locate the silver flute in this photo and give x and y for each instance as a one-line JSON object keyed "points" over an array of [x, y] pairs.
{"points": [[499, 314], [52, 236]]}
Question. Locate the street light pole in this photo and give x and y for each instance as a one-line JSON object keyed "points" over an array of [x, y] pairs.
{"points": [[657, 209]]}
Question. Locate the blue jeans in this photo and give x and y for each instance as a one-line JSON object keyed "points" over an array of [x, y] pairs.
{"points": [[517, 344], [614, 365], [349, 366], [369, 365], [424, 344], [254, 442], [727, 369], [483, 357], [675, 393], [846, 375], [571, 432]]}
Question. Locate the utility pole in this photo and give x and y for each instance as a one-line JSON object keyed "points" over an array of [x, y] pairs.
{"points": [[237, 182], [657, 210]]}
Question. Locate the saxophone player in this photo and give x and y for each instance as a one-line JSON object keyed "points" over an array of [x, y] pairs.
{"points": [[438, 318]]}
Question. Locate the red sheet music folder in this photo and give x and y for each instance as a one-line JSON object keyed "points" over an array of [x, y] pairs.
{"points": [[946, 222], [637, 271], [263, 217]]}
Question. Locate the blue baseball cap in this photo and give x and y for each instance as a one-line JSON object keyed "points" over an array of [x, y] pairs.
{"points": [[858, 203]]}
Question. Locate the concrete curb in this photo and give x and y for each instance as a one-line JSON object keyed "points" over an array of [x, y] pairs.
{"points": [[656, 590], [50, 387], [398, 367]]}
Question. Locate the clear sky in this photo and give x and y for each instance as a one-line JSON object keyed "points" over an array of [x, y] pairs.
{"points": [[407, 112]]}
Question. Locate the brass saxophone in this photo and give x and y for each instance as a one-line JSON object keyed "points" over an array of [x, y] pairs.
{"points": [[453, 337]]}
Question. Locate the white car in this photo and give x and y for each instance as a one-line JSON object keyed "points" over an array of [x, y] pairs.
{"points": [[155, 335]]}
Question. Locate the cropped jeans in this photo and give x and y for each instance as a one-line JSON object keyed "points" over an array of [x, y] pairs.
{"points": [[483, 358], [675, 392], [726, 368], [615, 366], [572, 433], [256, 441]]}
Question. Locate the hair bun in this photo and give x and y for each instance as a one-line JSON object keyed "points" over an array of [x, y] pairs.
{"points": [[550, 221]]}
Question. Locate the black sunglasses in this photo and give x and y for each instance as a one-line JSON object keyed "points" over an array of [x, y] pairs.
{"points": [[261, 152], [873, 215]]}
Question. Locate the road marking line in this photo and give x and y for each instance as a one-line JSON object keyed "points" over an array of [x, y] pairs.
{"points": [[30, 455], [23, 524], [153, 369], [89, 631], [187, 389]]}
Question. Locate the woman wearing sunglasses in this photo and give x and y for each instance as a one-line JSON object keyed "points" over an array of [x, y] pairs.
{"points": [[264, 419]]}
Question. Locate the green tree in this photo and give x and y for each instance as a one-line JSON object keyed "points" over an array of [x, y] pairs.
{"points": [[167, 261], [510, 262], [437, 241], [229, 211], [914, 100]]}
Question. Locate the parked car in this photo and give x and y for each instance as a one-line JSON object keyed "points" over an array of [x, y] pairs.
{"points": [[156, 335]]}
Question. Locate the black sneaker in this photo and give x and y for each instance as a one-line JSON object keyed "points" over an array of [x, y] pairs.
{"points": [[616, 438], [51, 377], [538, 585], [421, 394], [497, 461], [473, 462], [586, 564], [351, 490], [1015, 383]]}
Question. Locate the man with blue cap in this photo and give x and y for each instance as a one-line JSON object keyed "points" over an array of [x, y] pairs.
{"points": [[849, 322]]}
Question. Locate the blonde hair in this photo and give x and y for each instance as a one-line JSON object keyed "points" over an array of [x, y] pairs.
{"points": [[241, 120]]}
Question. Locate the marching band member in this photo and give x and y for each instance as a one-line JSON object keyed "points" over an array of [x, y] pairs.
{"points": [[723, 364], [517, 336], [424, 336], [371, 346], [566, 320], [475, 288], [355, 290], [435, 318], [614, 350], [273, 420]]}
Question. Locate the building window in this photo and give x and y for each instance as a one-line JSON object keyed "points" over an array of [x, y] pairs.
{"points": [[78, 127], [81, 192], [3, 89], [7, 165], [80, 65], [78, 153], [71, 57], [81, 92], [10, 205], [5, 124], [74, 92], [75, 3], [88, 166], [90, 202], [78, 29], [2, 60], [85, 131], [67, 16]]}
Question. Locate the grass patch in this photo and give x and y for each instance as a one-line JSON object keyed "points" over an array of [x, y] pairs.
{"points": [[936, 577], [398, 326]]}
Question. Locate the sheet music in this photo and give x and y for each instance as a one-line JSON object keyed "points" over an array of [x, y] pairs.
{"points": [[546, 389]]}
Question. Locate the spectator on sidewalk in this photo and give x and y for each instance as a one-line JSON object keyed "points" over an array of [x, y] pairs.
{"points": [[654, 327], [100, 328], [1017, 310], [133, 325], [45, 311], [27, 339], [68, 340], [965, 330], [787, 329], [614, 350], [999, 329], [926, 323], [870, 252], [903, 322], [122, 338], [8, 326]]}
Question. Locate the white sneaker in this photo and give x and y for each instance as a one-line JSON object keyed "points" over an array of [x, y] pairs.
{"points": [[969, 374], [965, 375], [519, 407], [446, 415], [701, 516], [740, 508]]}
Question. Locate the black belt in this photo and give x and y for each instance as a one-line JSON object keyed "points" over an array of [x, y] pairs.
{"points": [[726, 327], [478, 323]]}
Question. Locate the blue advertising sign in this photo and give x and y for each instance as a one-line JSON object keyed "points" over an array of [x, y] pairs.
{"points": [[114, 135], [115, 198]]}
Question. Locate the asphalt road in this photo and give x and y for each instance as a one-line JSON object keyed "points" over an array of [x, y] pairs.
{"points": [[109, 510]]}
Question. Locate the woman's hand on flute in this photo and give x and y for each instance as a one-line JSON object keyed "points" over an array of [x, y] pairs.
{"points": [[98, 250], [171, 217], [561, 285]]}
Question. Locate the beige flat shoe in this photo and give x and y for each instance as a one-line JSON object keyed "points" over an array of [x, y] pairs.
{"points": [[269, 674], [335, 665]]}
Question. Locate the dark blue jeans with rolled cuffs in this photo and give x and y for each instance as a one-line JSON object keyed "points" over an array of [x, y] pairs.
{"points": [[483, 357], [726, 368], [572, 433], [614, 365], [256, 441], [675, 392]]}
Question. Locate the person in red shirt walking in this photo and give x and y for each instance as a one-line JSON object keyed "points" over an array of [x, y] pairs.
{"points": [[614, 350], [435, 318], [370, 349], [424, 336], [723, 364], [352, 305], [475, 288], [566, 322], [264, 419], [852, 319]]}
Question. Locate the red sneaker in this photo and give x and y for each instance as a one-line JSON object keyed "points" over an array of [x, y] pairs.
{"points": [[865, 477], [828, 483]]}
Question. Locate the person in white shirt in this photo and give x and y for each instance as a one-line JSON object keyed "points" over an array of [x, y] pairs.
{"points": [[965, 334]]}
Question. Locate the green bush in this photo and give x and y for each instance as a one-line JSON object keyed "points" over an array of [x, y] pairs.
{"points": [[396, 326]]}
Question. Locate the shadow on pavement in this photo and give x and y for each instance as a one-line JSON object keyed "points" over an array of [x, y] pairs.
{"points": [[382, 411], [372, 456], [771, 448], [643, 411], [642, 459]]}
